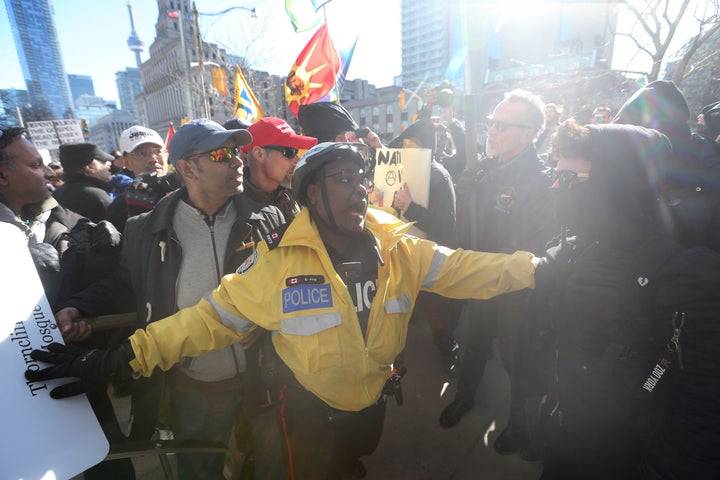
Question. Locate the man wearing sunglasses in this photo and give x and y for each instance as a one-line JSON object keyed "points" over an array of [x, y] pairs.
{"points": [[502, 206], [270, 159], [173, 256]]}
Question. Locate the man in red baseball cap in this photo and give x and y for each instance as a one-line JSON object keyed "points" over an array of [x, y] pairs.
{"points": [[270, 160]]}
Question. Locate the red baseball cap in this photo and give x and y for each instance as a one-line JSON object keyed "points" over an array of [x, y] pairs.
{"points": [[276, 131]]}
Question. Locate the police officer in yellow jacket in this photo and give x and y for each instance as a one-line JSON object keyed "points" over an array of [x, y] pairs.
{"points": [[336, 287]]}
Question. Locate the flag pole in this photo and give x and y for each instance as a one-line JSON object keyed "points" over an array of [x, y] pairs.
{"points": [[332, 57]]}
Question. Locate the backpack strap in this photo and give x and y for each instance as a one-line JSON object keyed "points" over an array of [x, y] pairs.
{"points": [[637, 332]]}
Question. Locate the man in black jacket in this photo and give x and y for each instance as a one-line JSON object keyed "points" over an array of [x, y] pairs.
{"points": [[173, 256], [502, 207], [87, 187]]}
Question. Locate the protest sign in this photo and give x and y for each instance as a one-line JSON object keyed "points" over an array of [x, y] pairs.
{"points": [[41, 438], [51, 134], [395, 166]]}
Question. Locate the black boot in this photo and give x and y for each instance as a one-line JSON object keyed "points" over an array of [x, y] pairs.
{"points": [[453, 413]]}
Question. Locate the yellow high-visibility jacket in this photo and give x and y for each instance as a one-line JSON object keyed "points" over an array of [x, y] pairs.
{"points": [[292, 289]]}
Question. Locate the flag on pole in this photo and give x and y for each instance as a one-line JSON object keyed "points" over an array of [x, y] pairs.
{"points": [[345, 58], [168, 137], [303, 14], [247, 107], [314, 73], [220, 80]]}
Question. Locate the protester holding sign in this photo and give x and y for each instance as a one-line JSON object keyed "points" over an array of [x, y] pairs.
{"points": [[336, 287], [437, 221], [57, 237]]}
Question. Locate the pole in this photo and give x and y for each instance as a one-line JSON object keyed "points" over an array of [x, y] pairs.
{"points": [[471, 147], [186, 64], [20, 117], [198, 42]]}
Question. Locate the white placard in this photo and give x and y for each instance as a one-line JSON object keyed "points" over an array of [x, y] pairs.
{"points": [[41, 438], [394, 166], [50, 134]]}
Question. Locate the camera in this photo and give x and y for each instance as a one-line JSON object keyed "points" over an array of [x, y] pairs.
{"points": [[147, 189], [362, 132]]}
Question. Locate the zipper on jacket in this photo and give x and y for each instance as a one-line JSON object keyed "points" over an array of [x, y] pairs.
{"points": [[366, 363], [177, 271], [210, 221]]}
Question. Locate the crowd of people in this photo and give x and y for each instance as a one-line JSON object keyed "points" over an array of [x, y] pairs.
{"points": [[272, 300]]}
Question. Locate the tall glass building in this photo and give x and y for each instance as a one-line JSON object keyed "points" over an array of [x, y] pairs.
{"points": [[38, 50]]}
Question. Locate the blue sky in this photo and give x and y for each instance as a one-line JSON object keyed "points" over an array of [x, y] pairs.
{"points": [[93, 36]]}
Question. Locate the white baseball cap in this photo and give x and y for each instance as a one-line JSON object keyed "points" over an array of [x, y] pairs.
{"points": [[136, 135]]}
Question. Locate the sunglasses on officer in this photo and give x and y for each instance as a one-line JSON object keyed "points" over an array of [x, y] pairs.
{"points": [[219, 155], [287, 152], [352, 178]]}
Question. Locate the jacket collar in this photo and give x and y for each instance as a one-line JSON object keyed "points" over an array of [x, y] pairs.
{"points": [[161, 217], [80, 179], [387, 229]]}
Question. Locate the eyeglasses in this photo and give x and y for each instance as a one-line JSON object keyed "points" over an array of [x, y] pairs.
{"points": [[501, 126], [351, 178], [219, 155], [568, 178], [155, 152], [287, 152]]}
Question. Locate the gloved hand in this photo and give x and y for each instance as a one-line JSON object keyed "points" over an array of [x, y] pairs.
{"points": [[93, 367], [103, 237], [553, 268]]}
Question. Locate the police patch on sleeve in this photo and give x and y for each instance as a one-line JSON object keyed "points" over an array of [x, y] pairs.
{"points": [[248, 263]]}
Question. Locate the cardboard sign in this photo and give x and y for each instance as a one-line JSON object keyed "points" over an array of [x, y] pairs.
{"points": [[51, 134], [394, 166], [41, 438]]}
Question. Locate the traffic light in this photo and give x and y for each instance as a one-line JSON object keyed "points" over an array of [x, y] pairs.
{"points": [[85, 130]]}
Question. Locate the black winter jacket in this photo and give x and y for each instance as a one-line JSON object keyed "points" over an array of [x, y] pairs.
{"points": [[86, 196], [504, 207]]}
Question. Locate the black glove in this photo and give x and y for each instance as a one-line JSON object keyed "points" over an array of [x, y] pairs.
{"points": [[103, 237], [93, 367], [553, 269]]}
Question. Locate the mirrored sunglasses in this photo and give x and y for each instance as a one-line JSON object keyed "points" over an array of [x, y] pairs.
{"points": [[224, 154], [287, 152]]}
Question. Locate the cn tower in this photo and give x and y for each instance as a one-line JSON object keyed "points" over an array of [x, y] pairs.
{"points": [[134, 43]]}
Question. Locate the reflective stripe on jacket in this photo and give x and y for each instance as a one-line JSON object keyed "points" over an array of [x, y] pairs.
{"points": [[294, 291]]}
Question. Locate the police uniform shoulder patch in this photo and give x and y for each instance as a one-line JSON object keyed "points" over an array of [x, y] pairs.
{"points": [[273, 238], [248, 263]]}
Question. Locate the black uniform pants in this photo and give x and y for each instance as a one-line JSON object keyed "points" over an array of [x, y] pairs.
{"points": [[322, 442]]}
